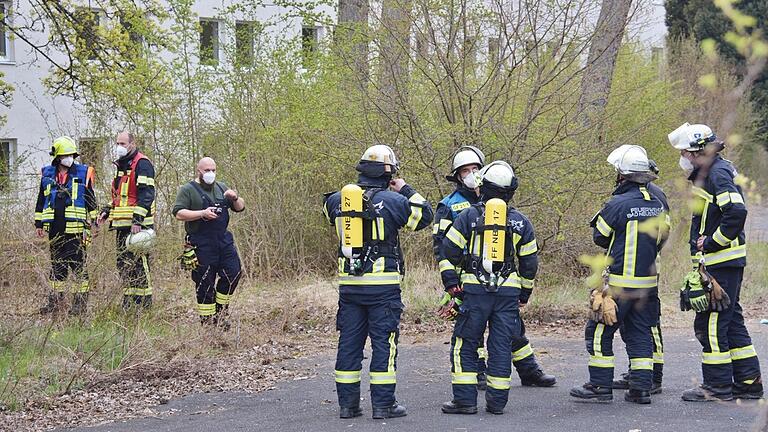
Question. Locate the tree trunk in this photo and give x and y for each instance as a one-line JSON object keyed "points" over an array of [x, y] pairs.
{"points": [[393, 73], [603, 51], [352, 36]]}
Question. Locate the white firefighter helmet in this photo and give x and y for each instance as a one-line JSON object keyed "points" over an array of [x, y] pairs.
{"points": [[382, 154], [499, 173], [141, 242], [629, 159], [465, 155], [691, 137]]}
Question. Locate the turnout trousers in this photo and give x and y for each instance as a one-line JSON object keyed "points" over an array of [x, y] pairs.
{"points": [[658, 347], [637, 313], [359, 317], [134, 273], [67, 257], [728, 355], [523, 358], [217, 257], [502, 315]]}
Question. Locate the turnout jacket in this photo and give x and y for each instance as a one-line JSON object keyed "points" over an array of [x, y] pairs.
{"points": [[447, 211], [632, 226], [67, 207], [138, 195], [719, 214], [382, 258], [462, 248]]}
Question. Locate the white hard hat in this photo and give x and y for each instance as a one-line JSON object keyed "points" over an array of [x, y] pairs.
{"points": [[499, 173], [629, 159], [466, 155], [141, 242], [691, 137], [382, 154]]}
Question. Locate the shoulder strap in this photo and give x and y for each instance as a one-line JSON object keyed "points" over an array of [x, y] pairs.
{"points": [[203, 196]]}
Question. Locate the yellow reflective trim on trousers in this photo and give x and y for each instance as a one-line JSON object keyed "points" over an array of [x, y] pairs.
{"points": [[457, 355], [712, 332], [630, 248], [522, 353], [512, 281], [743, 352], [658, 358], [378, 378], [416, 211], [446, 265], [392, 353], [641, 363], [84, 287], [721, 239], [223, 299], [57, 286], [384, 278], [528, 248], [464, 378], [597, 344], [632, 281], [657, 343], [145, 263], [455, 236], [347, 377], [206, 309], [601, 361], [499, 383], [481, 353], [715, 358], [378, 265], [603, 227]]}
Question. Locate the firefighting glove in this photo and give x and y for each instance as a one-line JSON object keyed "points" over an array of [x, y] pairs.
{"points": [[603, 308], [692, 295], [610, 310], [525, 295], [718, 298], [449, 307], [188, 258]]}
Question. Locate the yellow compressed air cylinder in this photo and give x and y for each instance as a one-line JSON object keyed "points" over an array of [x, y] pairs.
{"points": [[351, 227], [493, 239]]}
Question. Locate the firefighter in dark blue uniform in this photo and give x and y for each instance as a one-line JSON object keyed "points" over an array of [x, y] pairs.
{"points": [[464, 173], [658, 339], [204, 204], [493, 290], [369, 280], [632, 227], [729, 361]]}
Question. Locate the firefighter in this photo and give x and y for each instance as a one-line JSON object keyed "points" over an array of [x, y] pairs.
{"points": [[203, 205], [368, 216], [66, 209], [466, 163], [658, 340], [484, 242], [730, 365], [131, 211], [632, 227]]}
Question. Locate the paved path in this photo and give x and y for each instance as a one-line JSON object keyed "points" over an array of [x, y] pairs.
{"points": [[310, 404]]}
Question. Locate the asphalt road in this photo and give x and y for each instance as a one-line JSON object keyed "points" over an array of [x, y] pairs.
{"points": [[309, 404]]}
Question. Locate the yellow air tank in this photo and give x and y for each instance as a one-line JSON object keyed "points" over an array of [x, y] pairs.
{"points": [[493, 239], [351, 227]]}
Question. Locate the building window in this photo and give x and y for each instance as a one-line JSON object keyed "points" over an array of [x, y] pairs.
{"points": [[6, 48], [92, 152], [209, 42], [310, 39], [87, 25], [244, 39], [7, 152]]}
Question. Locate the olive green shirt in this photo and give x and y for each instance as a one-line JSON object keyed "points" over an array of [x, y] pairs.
{"points": [[189, 198]]}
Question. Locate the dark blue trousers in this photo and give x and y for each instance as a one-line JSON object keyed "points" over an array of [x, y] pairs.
{"points": [[638, 312], [523, 358], [502, 315], [728, 354], [361, 316]]}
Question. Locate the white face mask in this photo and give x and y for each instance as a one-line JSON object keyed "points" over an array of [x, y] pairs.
{"points": [[67, 161], [471, 180], [120, 151], [685, 164], [209, 177]]}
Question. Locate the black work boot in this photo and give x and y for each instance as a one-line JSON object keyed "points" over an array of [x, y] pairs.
{"points": [[707, 393], [55, 302], [622, 383], [655, 387], [743, 390], [454, 407], [537, 379], [493, 410], [79, 304], [220, 317], [590, 391], [637, 396], [145, 301], [482, 381], [350, 412], [389, 412]]}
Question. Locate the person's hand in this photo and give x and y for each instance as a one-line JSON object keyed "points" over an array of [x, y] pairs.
{"points": [[40, 232], [135, 229], [231, 195], [94, 230], [396, 184], [101, 219], [208, 214], [700, 243]]}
